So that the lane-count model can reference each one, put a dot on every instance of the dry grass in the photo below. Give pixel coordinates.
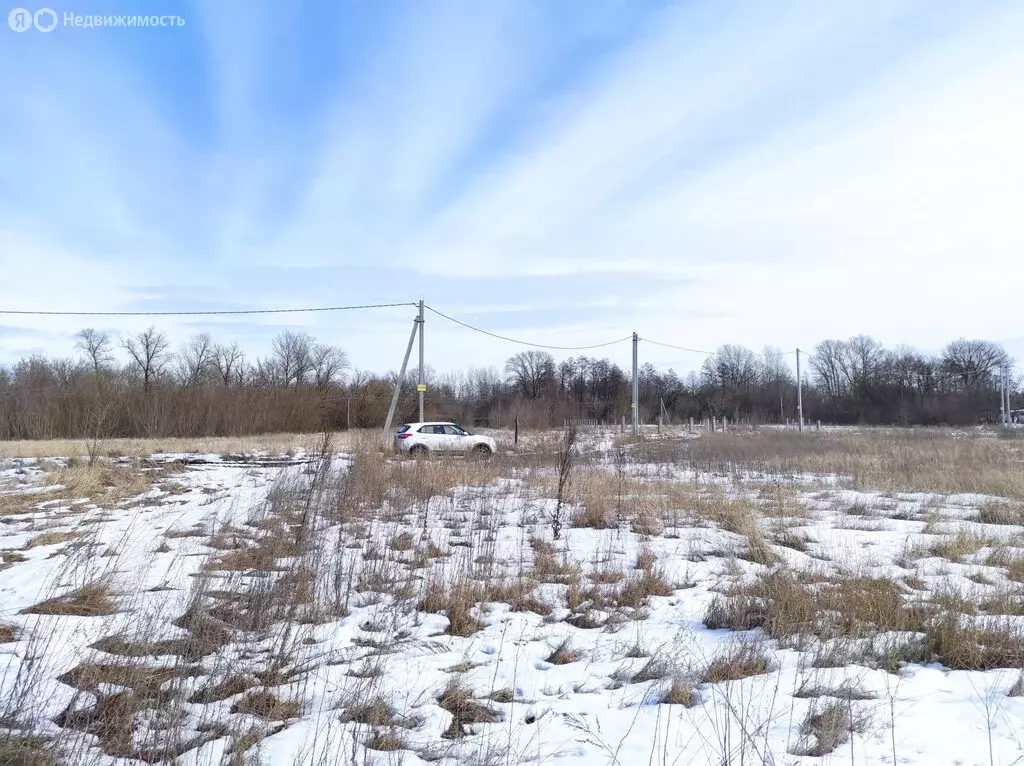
(372, 711)
(744, 660)
(217, 445)
(21, 750)
(1002, 512)
(10, 558)
(827, 726)
(564, 654)
(894, 460)
(228, 687)
(680, 692)
(91, 600)
(265, 705)
(105, 482)
(637, 588)
(458, 700)
(789, 610)
(51, 538)
(956, 547)
(985, 644)
(456, 601)
(19, 503)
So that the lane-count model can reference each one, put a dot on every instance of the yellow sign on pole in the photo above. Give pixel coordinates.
(421, 388)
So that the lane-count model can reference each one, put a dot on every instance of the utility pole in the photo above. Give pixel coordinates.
(421, 386)
(1004, 395)
(799, 392)
(348, 413)
(636, 388)
(398, 384)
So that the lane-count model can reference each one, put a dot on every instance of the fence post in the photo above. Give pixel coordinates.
(516, 437)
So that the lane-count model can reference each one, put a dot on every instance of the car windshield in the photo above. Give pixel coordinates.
(460, 430)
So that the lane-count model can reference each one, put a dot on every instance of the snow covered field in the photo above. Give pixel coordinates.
(741, 598)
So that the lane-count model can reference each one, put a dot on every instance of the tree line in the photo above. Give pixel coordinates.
(138, 385)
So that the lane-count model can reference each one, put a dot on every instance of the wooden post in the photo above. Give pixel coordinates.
(516, 437)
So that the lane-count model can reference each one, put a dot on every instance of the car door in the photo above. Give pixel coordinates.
(433, 437)
(458, 438)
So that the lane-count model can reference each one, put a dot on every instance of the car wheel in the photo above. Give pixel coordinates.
(481, 451)
(418, 451)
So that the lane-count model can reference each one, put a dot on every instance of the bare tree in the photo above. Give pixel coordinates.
(827, 363)
(196, 360)
(293, 356)
(149, 354)
(97, 347)
(973, 363)
(228, 361)
(328, 363)
(732, 368)
(532, 372)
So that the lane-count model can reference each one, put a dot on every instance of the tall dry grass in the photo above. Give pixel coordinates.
(896, 460)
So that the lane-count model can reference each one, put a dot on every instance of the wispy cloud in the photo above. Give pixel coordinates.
(766, 173)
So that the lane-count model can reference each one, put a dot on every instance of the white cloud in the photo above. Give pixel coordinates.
(890, 206)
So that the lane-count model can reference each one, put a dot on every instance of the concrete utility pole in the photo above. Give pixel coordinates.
(636, 388)
(799, 392)
(398, 384)
(1004, 396)
(421, 386)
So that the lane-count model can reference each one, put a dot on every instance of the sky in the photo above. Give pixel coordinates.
(566, 173)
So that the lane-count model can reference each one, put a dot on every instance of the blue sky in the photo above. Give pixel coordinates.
(567, 172)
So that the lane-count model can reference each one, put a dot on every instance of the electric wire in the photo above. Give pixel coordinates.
(523, 342)
(221, 312)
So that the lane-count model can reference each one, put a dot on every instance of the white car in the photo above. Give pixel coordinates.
(421, 439)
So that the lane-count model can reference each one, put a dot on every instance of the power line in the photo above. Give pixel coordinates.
(527, 343)
(224, 312)
(710, 353)
(677, 348)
